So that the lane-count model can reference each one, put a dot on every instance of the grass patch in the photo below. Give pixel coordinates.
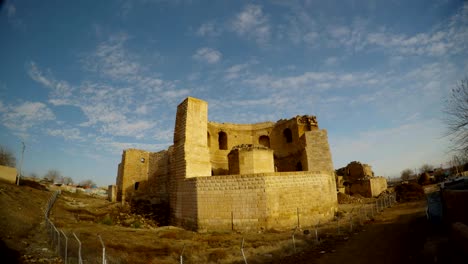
(217, 255)
(107, 220)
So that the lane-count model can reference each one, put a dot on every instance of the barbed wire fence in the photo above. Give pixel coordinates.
(71, 248)
(68, 247)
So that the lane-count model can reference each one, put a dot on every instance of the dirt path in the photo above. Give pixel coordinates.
(396, 236)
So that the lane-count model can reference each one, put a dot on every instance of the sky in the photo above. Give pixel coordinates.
(80, 81)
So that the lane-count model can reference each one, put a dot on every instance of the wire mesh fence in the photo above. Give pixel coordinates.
(75, 247)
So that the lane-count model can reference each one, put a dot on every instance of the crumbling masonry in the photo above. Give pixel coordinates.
(242, 177)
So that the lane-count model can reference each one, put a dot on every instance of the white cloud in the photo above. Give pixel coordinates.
(330, 61)
(252, 23)
(209, 29)
(443, 39)
(68, 134)
(112, 60)
(234, 71)
(26, 115)
(207, 55)
(60, 90)
(311, 80)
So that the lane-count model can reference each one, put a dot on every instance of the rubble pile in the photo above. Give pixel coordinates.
(348, 199)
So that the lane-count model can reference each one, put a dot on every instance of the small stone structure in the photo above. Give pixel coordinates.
(8, 174)
(242, 177)
(358, 178)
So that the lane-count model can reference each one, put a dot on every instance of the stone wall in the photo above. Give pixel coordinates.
(8, 174)
(133, 171)
(371, 187)
(190, 156)
(317, 154)
(259, 201)
(249, 159)
(191, 176)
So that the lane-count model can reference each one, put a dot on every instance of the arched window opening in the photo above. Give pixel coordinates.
(299, 166)
(137, 184)
(287, 135)
(208, 140)
(222, 140)
(264, 141)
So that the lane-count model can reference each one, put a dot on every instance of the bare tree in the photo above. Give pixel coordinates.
(67, 180)
(406, 174)
(6, 157)
(457, 163)
(426, 168)
(456, 112)
(54, 175)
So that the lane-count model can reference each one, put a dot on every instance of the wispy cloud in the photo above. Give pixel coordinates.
(252, 23)
(26, 115)
(67, 134)
(13, 18)
(209, 29)
(312, 80)
(207, 55)
(111, 59)
(235, 71)
(119, 98)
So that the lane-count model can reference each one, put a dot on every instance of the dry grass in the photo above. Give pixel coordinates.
(165, 244)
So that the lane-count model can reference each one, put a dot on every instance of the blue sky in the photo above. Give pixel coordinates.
(82, 80)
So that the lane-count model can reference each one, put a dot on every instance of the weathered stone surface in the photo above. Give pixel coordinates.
(222, 176)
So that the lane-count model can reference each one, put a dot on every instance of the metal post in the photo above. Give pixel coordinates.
(181, 255)
(242, 251)
(103, 251)
(294, 241)
(58, 236)
(66, 247)
(316, 232)
(80, 261)
(21, 163)
(298, 223)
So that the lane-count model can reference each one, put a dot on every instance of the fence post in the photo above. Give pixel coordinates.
(298, 222)
(58, 236)
(66, 246)
(103, 250)
(80, 261)
(242, 251)
(294, 241)
(181, 255)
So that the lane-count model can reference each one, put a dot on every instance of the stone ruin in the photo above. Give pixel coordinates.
(234, 177)
(358, 178)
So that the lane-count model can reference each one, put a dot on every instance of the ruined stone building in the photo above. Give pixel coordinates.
(358, 178)
(223, 176)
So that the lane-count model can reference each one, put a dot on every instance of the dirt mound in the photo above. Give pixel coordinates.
(33, 184)
(409, 192)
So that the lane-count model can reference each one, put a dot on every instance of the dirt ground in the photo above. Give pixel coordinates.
(399, 234)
